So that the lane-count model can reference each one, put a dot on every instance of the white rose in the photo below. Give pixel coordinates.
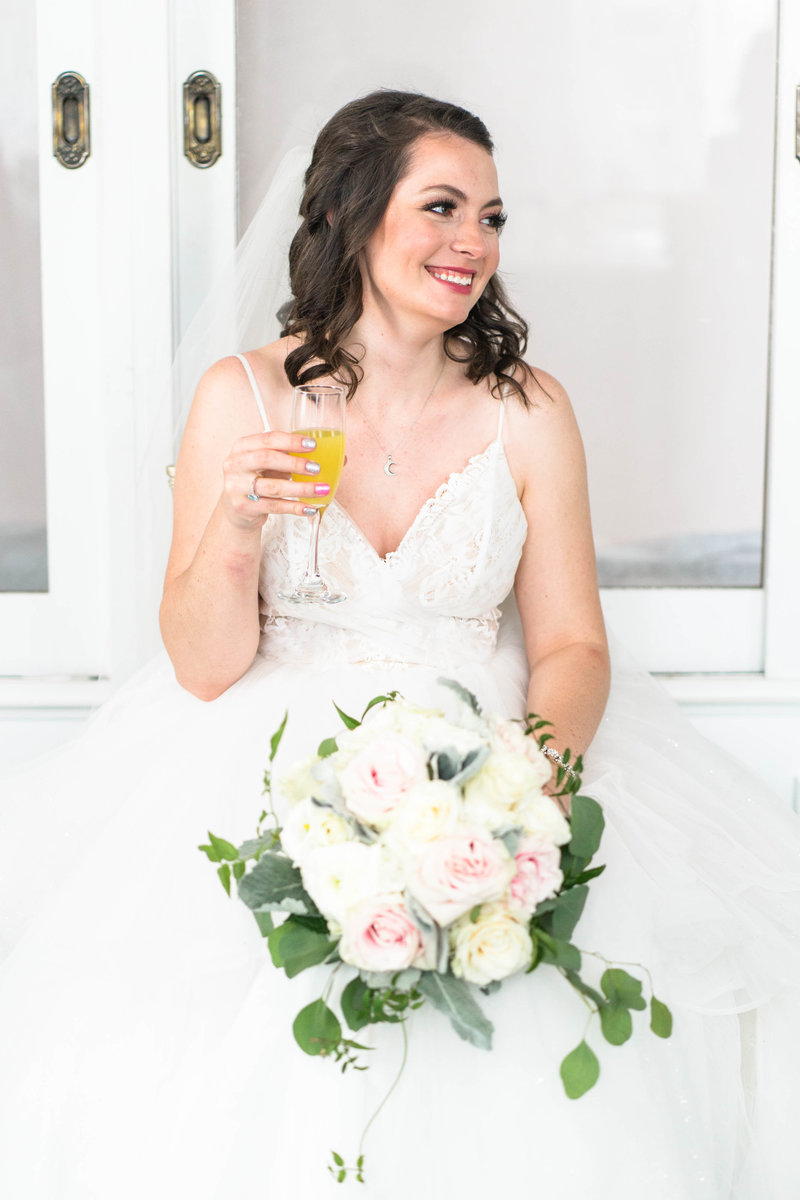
(439, 734)
(309, 826)
(298, 783)
(430, 810)
(504, 783)
(508, 735)
(380, 775)
(340, 876)
(493, 947)
(543, 815)
(401, 717)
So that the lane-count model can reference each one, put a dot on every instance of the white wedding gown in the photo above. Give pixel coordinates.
(146, 1038)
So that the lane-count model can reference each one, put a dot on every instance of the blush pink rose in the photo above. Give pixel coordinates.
(470, 867)
(538, 874)
(379, 935)
(378, 777)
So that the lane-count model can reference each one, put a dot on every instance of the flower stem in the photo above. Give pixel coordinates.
(391, 1089)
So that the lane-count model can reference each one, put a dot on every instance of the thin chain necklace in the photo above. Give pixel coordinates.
(390, 466)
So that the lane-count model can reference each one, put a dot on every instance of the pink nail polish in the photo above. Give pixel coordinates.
(321, 489)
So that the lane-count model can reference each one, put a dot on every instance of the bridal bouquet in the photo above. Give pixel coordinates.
(422, 851)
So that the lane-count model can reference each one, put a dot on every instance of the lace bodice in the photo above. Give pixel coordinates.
(434, 600)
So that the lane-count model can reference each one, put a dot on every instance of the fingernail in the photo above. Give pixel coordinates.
(309, 444)
(312, 468)
(321, 489)
(310, 509)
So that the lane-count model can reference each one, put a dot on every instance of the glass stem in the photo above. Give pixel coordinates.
(312, 569)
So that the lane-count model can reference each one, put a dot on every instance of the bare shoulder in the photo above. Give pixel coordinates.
(543, 439)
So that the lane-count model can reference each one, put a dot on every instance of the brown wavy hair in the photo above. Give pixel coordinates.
(359, 158)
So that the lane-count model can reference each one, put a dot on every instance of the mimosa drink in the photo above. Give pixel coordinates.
(330, 456)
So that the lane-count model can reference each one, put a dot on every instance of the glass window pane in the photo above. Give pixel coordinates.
(635, 151)
(23, 522)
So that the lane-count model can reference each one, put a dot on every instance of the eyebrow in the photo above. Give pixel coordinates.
(459, 195)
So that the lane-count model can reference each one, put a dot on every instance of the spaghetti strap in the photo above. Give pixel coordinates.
(254, 386)
(499, 434)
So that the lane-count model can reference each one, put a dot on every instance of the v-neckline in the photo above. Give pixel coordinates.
(442, 490)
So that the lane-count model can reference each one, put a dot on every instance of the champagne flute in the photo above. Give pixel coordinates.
(318, 412)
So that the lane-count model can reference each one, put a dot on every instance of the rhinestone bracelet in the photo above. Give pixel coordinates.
(550, 753)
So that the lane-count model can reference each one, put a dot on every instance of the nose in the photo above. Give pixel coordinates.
(470, 238)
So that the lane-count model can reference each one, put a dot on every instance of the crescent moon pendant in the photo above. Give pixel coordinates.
(389, 465)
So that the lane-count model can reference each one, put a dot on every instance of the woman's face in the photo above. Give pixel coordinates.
(436, 247)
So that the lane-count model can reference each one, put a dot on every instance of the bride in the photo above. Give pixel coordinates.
(146, 1038)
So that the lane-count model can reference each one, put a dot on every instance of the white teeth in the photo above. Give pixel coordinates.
(452, 277)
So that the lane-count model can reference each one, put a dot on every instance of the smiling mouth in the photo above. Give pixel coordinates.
(459, 279)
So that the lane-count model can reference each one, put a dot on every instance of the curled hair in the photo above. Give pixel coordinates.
(359, 158)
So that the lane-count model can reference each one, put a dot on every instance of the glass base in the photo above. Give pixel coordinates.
(304, 594)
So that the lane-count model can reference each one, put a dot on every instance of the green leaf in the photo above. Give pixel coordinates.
(387, 699)
(584, 988)
(350, 722)
(210, 853)
(463, 693)
(453, 997)
(327, 748)
(224, 849)
(316, 1028)
(660, 1019)
(275, 740)
(239, 869)
(586, 823)
(561, 954)
(337, 1158)
(622, 989)
(562, 914)
(275, 884)
(299, 947)
(580, 1071)
(355, 1004)
(585, 876)
(264, 922)
(274, 938)
(224, 873)
(474, 913)
(616, 1024)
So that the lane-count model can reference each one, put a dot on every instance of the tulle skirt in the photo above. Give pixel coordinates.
(146, 1038)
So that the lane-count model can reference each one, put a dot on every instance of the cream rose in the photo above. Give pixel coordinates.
(379, 935)
(458, 872)
(538, 874)
(309, 826)
(380, 775)
(340, 876)
(504, 783)
(542, 814)
(430, 810)
(508, 735)
(493, 947)
(298, 783)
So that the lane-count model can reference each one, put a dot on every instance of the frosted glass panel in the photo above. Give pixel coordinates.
(23, 531)
(635, 151)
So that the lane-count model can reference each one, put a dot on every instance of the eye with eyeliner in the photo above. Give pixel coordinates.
(494, 220)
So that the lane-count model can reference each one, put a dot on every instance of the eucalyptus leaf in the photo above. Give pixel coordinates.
(660, 1018)
(510, 837)
(403, 981)
(616, 1023)
(584, 988)
(264, 922)
(586, 823)
(580, 1071)
(354, 1002)
(275, 884)
(275, 740)
(317, 1029)
(622, 989)
(560, 954)
(255, 847)
(453, 997)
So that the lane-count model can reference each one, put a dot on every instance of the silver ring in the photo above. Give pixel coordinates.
(252, 494)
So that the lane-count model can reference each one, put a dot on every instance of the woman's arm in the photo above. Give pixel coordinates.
(209, 612)
(556, 584)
